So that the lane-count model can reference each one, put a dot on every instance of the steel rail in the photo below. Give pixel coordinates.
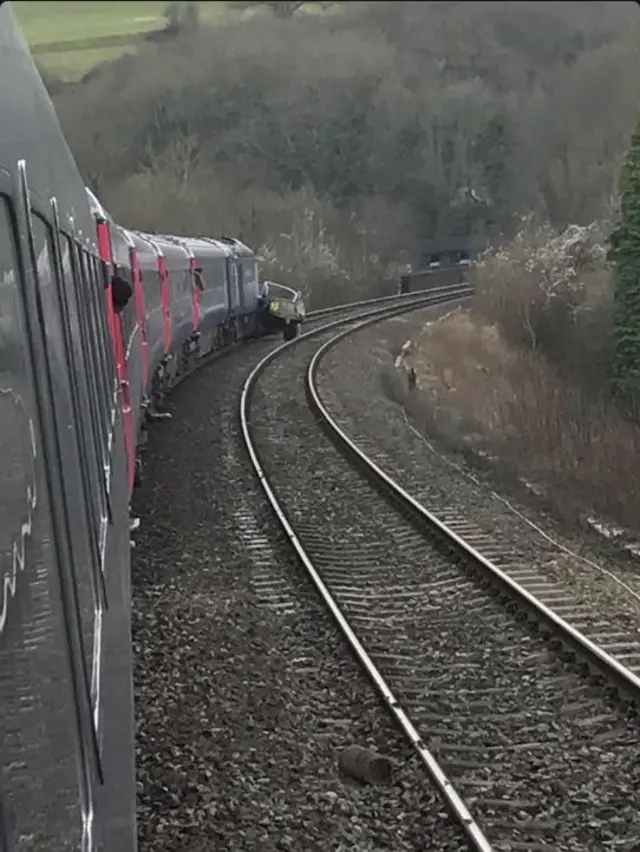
(625, 680)
(401, 298)
(474, 834)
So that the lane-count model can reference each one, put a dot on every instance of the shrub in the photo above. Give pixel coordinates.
(552, 293)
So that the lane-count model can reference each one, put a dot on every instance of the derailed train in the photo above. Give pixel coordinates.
(76, 378)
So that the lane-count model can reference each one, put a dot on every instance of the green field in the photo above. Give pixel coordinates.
(69, 37)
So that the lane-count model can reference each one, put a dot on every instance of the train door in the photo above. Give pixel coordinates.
(241, 302)
(138, 294)
(166, 301)
(104, 248)
(232, 284)
(195, 294)
(98, 380)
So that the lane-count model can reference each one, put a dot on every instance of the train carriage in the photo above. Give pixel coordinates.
(178, 269)
(174, 274)
(67, 776)
(75, 380)
(242, 270)
(216, 296)
(156, 302)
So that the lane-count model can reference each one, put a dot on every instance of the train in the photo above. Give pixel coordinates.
(82, 369)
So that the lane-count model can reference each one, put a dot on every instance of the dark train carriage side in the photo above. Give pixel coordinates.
(155, 300)
(67, 777)
(215, 297)
(175, 265)
(242, 273)
(169, 270)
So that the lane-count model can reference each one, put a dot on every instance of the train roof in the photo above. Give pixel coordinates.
(204, 246)
(164, 246)
(201, 246)
(143, 246)
(31, 133)
(227, 245)
(238, 247)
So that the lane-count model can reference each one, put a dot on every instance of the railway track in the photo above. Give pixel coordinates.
(244, 698)
(532, 748)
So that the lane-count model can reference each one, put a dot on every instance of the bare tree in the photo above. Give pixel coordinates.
(280, 8)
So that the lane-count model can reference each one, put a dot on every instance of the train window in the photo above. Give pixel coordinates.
(93, 300)
(240, 283)
(100, 272)
(94, 423)
(184, 275)
(93, 296)
(150, 276)
(83, 300)
(127, 315)
(97, 282)
(78, 363)
(250, 271)
(68, 418)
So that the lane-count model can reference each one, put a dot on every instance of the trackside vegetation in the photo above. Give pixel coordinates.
(625, 252)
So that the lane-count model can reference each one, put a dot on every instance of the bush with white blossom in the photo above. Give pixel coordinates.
(544, 283)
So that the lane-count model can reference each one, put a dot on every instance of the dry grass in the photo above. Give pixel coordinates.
(491, 386)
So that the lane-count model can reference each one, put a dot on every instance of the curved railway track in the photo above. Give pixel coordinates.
(532, 748)
(243, 696)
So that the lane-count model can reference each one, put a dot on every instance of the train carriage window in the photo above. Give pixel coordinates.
(150, 276)
(240, 279)
(128, 313)
(99, 273)
(89, 303)
(97, 422)
(94, 297)
(79, 367)
(185, 274)
(86, 578)
(92, 286)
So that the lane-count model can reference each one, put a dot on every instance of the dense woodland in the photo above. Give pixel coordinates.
(356, 134)
(340, 142)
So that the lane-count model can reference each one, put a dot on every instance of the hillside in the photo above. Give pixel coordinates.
(70, 37)
(362, 134)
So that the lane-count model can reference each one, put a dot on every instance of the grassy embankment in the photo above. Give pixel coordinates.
(70, 37)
